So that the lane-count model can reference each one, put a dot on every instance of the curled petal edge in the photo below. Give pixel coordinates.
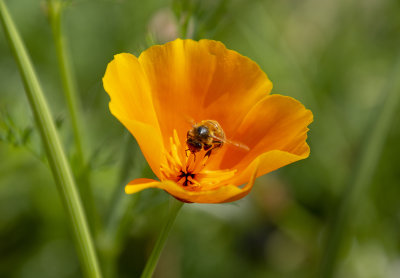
(223, 194)
(268, 162)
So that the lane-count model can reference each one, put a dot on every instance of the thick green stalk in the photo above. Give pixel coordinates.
(174, 207)
(82, 173)
(363, 175)
(56, 157)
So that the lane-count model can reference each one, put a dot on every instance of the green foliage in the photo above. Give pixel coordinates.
(13, 134)
(335, 56)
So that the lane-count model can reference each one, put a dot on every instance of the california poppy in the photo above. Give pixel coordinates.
(172, 88)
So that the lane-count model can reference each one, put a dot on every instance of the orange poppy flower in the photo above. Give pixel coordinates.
(173, 88)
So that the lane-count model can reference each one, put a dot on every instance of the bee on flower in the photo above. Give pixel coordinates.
(239, 131)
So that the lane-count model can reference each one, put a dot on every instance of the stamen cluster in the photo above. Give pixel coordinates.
(188, 169)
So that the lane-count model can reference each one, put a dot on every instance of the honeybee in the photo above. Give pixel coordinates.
(207, 135)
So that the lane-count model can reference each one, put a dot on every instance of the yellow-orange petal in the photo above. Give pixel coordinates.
(223, 194)
(277, 127)
(129, 90)
(199, 80)
(149, 141)
(137, 185)
(131, 103)
(265, 163)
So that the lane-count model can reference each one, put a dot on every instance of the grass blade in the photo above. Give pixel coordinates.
(55, 154)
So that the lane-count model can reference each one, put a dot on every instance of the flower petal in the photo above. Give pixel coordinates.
(265, 163)
(150, 142)
(140, 184)
(129, 90)
(179, 72)
(237, 84)
(223, 194)
(201, 80)
(131, 103)
(275, 130)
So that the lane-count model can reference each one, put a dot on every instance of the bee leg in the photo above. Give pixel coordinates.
(207, 147)
(208, 153)
(194, 154)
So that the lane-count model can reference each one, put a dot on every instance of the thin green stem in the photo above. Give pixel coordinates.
(67, 77)
(68, 80)
(55, 154)
(184, 25)
(174, 207)
(120, 216)
(363, 175)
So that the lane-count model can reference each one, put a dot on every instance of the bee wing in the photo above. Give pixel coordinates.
(189, 120)
(239, 145)
(236, 144)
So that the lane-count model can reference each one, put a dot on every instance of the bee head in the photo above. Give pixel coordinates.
(202, 131)
(193, 145)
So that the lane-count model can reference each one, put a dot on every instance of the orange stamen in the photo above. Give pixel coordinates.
(188, 171)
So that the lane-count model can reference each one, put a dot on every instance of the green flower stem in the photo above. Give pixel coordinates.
(174, 207)
(67, 77)
(82, 174)
(363, 174)
(56, 157)
(115, 234)
(184, 26)
(120, 217)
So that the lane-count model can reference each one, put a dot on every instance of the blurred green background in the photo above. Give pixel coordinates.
(336, 57)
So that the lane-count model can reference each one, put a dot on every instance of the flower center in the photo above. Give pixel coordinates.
(187, 169)
(186, 178)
